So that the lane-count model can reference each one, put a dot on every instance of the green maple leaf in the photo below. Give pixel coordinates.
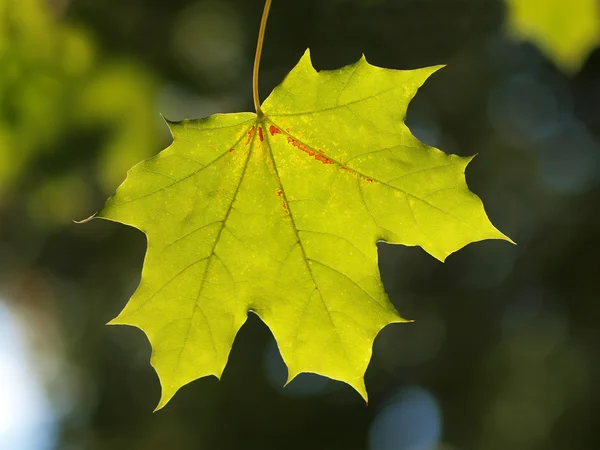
(280, 213)
(566, 31)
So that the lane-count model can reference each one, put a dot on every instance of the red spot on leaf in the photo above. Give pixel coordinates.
(285, 208)
(231, 150)
(250, 134)
(279, 193)
(260, 134)
(323, 159)
(368, 180)
(274, 130)
(317, 155)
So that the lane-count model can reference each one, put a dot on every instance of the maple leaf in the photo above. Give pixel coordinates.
(566, 31)
(279, 214)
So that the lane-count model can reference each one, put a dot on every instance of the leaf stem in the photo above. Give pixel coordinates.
(259, 46)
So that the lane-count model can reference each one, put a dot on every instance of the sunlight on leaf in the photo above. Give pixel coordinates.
(280, 215)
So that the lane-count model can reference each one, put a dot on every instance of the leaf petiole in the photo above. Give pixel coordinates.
(259, 46)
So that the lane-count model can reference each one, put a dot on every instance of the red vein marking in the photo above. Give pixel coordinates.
(317, 155)
(260, 134)
(274, 130)
(231, 150)
(370, 180)
(250, 134)
(286, 211)
(323, 159)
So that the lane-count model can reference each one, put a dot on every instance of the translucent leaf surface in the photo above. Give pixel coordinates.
(280, 215)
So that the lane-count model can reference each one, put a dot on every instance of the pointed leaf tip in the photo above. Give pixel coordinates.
(306, 60)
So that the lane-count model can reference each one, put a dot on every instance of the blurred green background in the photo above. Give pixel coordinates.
(503, 353)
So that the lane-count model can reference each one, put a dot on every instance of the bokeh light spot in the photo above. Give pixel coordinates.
(412, 421)
(27, 421)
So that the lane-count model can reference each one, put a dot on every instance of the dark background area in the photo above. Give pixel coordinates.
(503, 353)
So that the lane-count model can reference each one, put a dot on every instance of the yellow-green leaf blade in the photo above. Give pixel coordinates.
(413, 194)
(280, 215)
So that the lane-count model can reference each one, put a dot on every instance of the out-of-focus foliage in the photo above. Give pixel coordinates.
(565, 30)
(55, 86)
